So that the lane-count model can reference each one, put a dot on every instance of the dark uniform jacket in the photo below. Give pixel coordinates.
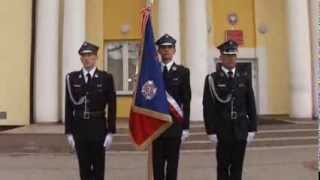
(178, 86)
(217, 115)
(100, 93)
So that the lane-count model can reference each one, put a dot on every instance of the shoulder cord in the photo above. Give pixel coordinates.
(81, 100)
(215, 94)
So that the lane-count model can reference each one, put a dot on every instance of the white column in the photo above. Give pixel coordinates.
(299, 59)
(73, 33)
(73, 37)
(169, 23)
(314, 14)
(46, 62)
(196, 52)
(262, 91)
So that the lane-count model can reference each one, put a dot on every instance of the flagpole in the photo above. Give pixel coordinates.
(150, 163)
(150, 154)
(149, 174)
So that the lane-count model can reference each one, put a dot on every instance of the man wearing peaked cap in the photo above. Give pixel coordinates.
(229, 113)
(177, 83)
(229, 47)
(166, 40)
(88, 130)
(88, 48)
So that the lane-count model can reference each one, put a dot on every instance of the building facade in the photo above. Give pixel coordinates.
(279, 49)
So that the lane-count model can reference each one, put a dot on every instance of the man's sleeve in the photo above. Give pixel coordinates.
(68, 110)
(208, 109)
(251, 108)
(186, 90)
(111, 94)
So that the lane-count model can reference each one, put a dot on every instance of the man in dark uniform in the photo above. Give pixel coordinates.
(229, 113)
(177, 82)
(89, 92)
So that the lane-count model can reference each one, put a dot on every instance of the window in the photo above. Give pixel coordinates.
(121, 60)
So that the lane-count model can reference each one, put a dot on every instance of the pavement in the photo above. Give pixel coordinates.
(39, 152)
(261, 164)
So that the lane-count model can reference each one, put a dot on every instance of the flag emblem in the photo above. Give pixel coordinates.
(149, 90)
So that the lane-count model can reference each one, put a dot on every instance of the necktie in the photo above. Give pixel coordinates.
(165, 74)
(231, 82)
(88, 78)
(230, 74)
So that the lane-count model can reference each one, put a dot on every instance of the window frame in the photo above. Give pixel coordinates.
(125, 64)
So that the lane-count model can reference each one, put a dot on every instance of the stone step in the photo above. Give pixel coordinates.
(56, 143)
(260, 135)
(200, 127)
(273, 135)
(207, 145)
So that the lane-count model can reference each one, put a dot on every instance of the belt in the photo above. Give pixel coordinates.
(236, 115)
(89, 115)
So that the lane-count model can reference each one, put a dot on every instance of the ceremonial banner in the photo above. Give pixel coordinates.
(149, 115)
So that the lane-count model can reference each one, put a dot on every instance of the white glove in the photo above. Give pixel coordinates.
(71, 141)
(250, 137)
(108, 142)
(213, 138)
(185, 135)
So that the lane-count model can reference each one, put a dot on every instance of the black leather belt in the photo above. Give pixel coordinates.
(89, 115)
(236, 115)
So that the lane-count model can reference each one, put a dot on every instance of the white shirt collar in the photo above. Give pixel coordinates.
(85, 72)
(225, 70)
(168, 65)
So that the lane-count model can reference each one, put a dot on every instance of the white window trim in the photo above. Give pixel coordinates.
(125, 53)
(125, 63)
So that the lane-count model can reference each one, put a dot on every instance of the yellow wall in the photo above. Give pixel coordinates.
(124, 104)
(272, 13)
(94, 26)
(245, 11)
(15, 18)
(125, 12)
(118, 13)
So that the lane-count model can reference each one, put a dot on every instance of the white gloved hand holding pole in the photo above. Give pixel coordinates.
(185, 135)
(108, 142)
